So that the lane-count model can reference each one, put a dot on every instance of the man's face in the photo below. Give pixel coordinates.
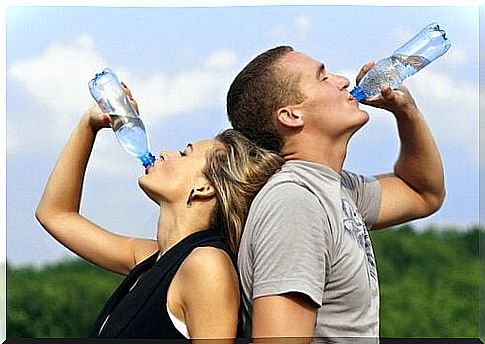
(328, 107)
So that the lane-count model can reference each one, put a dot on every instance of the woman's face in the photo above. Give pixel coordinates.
(176, 173)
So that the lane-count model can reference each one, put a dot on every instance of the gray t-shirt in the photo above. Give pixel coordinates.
(306, 232)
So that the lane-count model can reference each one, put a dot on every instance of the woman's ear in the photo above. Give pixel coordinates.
(288, 117)
(203, 189)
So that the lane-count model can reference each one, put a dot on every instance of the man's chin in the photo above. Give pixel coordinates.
(363, 120)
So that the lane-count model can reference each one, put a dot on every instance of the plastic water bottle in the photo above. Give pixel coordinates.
(128, 127)
(411, 57)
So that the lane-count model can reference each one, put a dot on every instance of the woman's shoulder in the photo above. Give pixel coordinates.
(210, 269)
(207, 262)
(207, 283)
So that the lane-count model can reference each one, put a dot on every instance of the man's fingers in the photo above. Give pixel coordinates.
(386, 93)
(365, 68)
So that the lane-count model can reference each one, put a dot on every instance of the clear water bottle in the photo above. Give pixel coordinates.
(406, 61)
(129, 129)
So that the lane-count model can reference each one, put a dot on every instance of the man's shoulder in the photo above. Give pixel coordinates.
(284, 196)
(282, 185)
(350, 179)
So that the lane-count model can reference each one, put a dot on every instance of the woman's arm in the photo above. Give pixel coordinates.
(58, 209)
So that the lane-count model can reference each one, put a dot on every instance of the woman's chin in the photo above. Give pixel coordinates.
(142, 183)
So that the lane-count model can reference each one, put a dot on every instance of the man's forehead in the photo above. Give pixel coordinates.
(297, 60)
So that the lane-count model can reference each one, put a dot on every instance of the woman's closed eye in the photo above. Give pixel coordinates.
(184, 152)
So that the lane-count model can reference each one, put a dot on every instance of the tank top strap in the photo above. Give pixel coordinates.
(124, 288)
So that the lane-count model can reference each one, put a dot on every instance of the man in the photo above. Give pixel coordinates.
(306, 261)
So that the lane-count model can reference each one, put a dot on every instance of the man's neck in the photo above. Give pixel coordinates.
(330, 154)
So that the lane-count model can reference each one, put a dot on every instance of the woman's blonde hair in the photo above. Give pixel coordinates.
(238, 169)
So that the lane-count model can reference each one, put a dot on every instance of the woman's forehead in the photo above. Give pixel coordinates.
(205, 145)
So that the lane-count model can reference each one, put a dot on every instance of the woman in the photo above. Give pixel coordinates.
(184, 284)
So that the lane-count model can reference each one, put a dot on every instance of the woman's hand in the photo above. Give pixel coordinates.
(98, 120)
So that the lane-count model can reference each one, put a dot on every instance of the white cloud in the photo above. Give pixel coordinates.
(303, 24)
(57, 80)
(297, 30)
(456, 55)
(181, 93)
(202, 87)
(221, 59)
(451, 107)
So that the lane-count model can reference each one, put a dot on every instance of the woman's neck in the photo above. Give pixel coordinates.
(176, 222)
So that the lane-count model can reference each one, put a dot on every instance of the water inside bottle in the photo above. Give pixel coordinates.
(391, 71)
(131, 134)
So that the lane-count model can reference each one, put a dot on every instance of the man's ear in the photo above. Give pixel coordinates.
(288, 117)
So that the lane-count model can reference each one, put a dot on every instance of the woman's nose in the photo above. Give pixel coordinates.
(163, 155)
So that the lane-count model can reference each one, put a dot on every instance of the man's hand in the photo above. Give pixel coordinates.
(416, 187)
(398, 101)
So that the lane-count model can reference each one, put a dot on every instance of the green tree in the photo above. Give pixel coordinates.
(61, 300)
(429, 283)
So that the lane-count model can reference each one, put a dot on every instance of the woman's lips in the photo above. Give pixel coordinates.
(147, 169)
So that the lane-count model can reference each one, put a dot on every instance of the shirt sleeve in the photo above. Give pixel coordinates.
(366, 193)
(290, 243)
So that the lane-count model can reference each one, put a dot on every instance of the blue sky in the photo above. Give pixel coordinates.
(179, 63)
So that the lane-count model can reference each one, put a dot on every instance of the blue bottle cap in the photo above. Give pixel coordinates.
(358, 94)
(147, 159)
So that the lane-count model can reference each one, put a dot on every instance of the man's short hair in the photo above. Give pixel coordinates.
(257, 92)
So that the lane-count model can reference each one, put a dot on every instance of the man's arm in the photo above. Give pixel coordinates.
(416, 187)
(287, 315)
(288, 230)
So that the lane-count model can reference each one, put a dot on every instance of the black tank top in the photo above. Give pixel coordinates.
(141, 312)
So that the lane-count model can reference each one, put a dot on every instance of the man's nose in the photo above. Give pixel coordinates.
(341, 81)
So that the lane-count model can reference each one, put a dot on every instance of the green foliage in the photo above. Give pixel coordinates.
(60, 300)
(429, 282)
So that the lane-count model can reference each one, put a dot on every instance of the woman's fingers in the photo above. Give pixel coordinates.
(97, 118)
(130, 97)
